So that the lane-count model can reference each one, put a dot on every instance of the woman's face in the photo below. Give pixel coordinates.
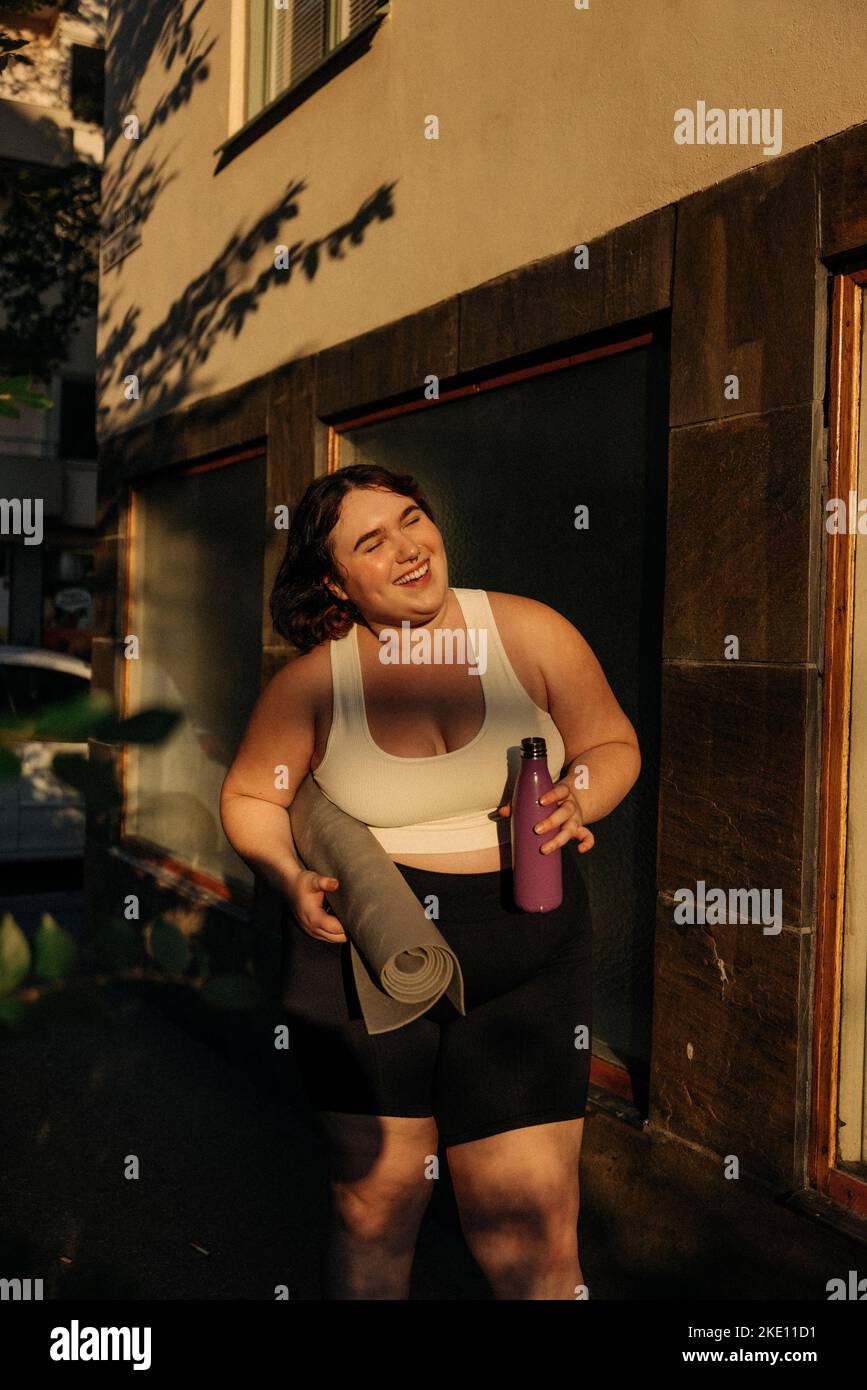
(380, 537)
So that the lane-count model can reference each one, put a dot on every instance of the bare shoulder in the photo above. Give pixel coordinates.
(305, 679)
(579, 697)
(282, 729)
(530, 631)
(294, 696)
(536, 633)
(527, 616)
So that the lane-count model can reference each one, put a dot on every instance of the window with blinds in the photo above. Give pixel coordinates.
(287, 39)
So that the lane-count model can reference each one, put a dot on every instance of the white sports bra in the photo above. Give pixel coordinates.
(458, 792)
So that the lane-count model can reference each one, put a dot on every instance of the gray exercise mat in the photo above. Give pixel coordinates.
(401, 962)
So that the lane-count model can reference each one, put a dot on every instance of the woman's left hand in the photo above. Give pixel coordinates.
(568, 815)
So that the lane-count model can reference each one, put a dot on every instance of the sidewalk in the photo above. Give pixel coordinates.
(660, 1221)
(231, 1198)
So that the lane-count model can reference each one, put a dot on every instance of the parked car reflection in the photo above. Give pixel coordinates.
(40, 816)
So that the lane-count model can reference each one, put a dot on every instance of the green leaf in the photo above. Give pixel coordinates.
(117, 944)
(169, 947)
(14, 954)
(10, 766)
(147, 726)
(47, 238)
(73, 720)
(6, 408)
(231, 991)
(56, 950)
(92, 715)
(70, 721)
(95, 781)
(19, 388)
(13, 1012)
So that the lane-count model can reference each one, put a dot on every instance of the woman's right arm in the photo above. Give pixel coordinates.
(272, 760)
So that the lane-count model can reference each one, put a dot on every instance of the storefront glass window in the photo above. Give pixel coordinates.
(196, 612)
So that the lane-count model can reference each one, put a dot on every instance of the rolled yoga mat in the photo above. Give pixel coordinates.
(402, 964)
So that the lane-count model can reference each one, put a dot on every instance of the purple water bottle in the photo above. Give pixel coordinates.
(538, 877)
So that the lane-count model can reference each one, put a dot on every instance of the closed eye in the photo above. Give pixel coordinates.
(412, 521)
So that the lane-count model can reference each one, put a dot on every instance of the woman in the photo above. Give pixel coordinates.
(423, 753)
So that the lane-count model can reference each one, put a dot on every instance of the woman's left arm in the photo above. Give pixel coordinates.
(600, 740)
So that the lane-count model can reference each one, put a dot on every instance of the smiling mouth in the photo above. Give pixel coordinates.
(414, 574)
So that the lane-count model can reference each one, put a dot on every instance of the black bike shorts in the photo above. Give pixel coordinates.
(519, 1056)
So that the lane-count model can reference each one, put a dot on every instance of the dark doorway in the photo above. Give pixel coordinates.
(505, 470)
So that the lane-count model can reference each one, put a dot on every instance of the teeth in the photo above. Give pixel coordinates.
(414, 574)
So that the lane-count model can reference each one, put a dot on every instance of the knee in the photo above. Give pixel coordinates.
(511, 1226)
(377, 1210)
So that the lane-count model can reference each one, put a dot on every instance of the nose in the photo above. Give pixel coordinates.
(406, 548)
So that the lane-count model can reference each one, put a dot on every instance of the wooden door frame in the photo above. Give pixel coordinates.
(843, 433)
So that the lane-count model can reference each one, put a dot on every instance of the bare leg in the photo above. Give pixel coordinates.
(518, 1196)
(378, 1167)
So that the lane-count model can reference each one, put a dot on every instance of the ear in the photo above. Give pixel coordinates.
(336, 590)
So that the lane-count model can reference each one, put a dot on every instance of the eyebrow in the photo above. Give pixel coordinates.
(368, 535)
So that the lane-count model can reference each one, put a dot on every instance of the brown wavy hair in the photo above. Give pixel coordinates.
(303, 610)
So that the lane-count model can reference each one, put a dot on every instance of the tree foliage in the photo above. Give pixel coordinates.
(49, 241)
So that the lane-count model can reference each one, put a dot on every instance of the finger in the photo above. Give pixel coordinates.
(326, 926)
(323, 884)
(585, 839)
(318, 917)
(558, 841)
(321, 936)
(571, 831)
(563, 813)
(558, 792)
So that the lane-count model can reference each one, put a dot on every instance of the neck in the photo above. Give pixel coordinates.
(438, 619)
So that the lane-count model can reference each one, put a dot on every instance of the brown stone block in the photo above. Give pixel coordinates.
(292, 428)
(104, 589)
(110, 502)
(550, 301)
(733, 803)
(748, 292)
(234, 419)
(103, 665)
(293, 434)
(389, 361)
(743, 547)
(843, 188)
(725, 1036)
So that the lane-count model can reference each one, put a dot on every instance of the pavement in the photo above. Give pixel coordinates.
(146, 1153)
(229, 1198)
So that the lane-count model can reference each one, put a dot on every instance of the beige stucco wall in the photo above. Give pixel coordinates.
(556, 124)
(36, 122)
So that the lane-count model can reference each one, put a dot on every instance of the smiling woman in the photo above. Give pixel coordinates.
(300, 610)
(353, 550)
(425, 758)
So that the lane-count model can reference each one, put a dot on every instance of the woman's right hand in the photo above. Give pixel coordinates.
(306, 897)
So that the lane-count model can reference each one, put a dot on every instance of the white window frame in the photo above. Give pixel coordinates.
(262, 82)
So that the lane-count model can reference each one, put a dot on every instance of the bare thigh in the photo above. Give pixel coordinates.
(518, 1174)
(384, 1157)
